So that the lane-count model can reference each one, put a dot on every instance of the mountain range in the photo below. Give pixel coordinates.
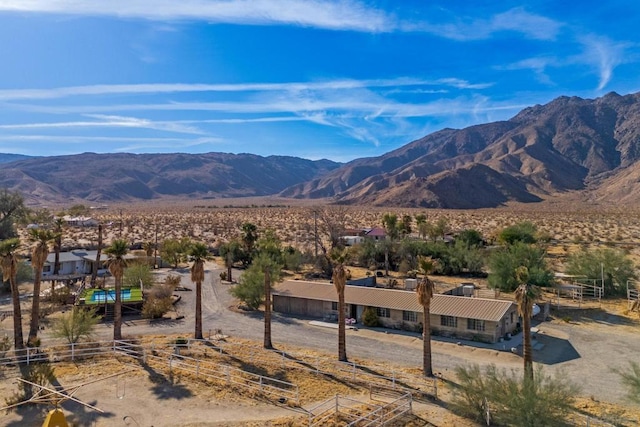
(569, 146)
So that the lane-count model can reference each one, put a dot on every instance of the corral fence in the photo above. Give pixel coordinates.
(202, 369)
(342, 410)
(346, 371)
(633, 296)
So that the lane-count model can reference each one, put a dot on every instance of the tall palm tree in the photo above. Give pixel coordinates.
(199, 253)
(42, 237)
(117, 264)
(96, 263)
(58, 224)
(525, 296)
(9, 264)
(424, 291)
(340, 282)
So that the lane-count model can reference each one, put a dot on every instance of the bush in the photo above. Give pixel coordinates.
(223, 276)
(135, 274)
(370, 317)
(75, 325)
(510, 399)
(158, 300)
(61, 296)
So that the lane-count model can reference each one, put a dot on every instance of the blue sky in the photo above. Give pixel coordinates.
(314, 79)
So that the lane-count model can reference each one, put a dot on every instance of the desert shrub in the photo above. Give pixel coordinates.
(370, 317)
(524, 232)
(223, 275)
(631, 380)
(25, 272)
(61, 296)
(510, 400)
(173, 281)
(292, 259)
(155, 307)
(158, 300)
(136, 274)
(75, 324)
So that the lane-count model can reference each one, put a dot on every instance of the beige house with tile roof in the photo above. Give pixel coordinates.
(456, 316)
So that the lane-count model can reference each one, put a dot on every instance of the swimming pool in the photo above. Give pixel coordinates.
(110, 295)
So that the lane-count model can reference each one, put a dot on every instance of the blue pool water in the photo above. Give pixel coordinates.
(110, 295)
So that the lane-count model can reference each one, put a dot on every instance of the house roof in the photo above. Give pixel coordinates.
(76, 255)
(377, 232)
(444, 305)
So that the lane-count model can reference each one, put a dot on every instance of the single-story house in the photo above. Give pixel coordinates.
(78, 261)
(457, 316)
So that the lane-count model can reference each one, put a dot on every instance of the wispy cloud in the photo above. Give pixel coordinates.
(603, 54)
(349, 15)
(140, 89)
(333, 15)
(516, 20)
(112, 122)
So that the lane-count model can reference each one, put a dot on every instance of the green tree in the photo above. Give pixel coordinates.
(249, 239)
(613, 265)
(339, 282)
(424, 291)
(11, 209)
(504, 262)
(39, 254)
(199, 255)
(137, 275)
(292, 258)
(631, 380)
(75, 324)
(117, 264)
(9, 264)
(441, 227)
(405, 225)
(390, 224)
(231, 252)
(174, 251)
(421, 222)
(250, 288)
(526, 295)
(78, 210)
(524, 232)
(470, 238)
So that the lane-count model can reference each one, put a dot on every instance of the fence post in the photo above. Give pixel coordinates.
(435, 386)
(170, 364)
(73, 351)
(260, 382)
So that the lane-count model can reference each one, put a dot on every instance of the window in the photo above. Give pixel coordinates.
(475, 325)
(46, 268)
(383, 312)
(409, 316)
(512, 317)
(449, 321)
(334, 306)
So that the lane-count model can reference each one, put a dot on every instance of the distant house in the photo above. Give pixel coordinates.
(376, 233)
(80, 221)
(457, 316)
(355, 236)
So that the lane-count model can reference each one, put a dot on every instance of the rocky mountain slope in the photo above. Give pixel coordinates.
(123, 177)
(7, 158)
(568, 145)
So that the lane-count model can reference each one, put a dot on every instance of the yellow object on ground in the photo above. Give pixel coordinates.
(55, 418)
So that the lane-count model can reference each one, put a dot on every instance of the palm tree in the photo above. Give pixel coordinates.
(425, 294)
(199, 254)
(117, 264)
(340, 282)
(9, 264)
(525, 295)
(42, 237)
(96, 264)
(57, 247)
